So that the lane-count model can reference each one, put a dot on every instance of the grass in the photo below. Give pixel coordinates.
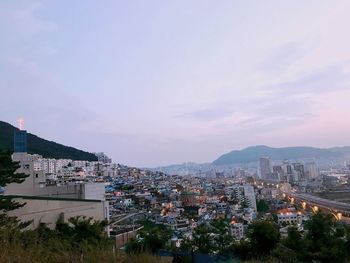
(58, 253)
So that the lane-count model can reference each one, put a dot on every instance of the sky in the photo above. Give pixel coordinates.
(152, 83)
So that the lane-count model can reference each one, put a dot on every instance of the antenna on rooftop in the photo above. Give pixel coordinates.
(20, 122)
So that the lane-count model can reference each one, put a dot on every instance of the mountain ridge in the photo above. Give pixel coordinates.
(253, 153)
(46, 148)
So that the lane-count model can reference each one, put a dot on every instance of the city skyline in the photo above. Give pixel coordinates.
(153, 84)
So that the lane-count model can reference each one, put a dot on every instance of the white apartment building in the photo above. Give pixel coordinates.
(80, 164)
(237, 231)
(50, 165)
(290, 217)
(242, 193)
(60, 163)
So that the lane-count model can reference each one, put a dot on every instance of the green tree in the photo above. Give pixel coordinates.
(134, 246)
(262, 206)
(154, 237)
(88, 230)
(320, 227)
(187, 245)
(284, 254)
(222, 238)
(9, 175)
(80, 240)
(325, 241)
(263, 236)
(294, 240)
(242, 249)
(202, 239)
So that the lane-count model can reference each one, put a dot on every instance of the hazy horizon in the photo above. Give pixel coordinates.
(153, 83)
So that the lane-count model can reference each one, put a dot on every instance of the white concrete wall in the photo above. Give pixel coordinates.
(94, 191)
(48, 211)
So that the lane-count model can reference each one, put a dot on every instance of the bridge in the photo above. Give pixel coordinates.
(341, 211)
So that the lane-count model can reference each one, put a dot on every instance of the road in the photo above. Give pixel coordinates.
(334, 207)
(330, 204)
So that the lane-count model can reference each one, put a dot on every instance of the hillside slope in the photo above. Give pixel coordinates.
(252, 154)
(47, 149)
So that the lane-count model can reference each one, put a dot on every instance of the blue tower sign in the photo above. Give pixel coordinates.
(20, 141)
(20, 138)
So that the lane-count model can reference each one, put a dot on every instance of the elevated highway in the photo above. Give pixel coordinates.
(340, 210)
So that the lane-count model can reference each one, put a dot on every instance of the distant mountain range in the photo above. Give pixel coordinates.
(37, 145)
(252, 154)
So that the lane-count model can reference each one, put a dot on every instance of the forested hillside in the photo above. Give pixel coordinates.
(41, 146)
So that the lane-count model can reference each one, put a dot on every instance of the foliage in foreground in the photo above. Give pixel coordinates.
(83, 240)
(79, 240)
(150, 239)
(9, 175)
(324, 240)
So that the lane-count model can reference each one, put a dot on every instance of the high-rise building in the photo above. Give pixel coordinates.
(298, 172)
(265, 167)
(242, 194)
(20, 141)
(278, 172)
(249, 196)
(288, 171)
(311, 170)
(103, 158)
